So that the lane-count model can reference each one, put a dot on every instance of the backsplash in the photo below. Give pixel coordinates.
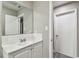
(15, 39)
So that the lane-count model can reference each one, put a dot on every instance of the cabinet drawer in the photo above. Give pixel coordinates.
(25, 54)
(21, 51)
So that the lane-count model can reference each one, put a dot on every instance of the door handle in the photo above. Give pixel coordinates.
(51, 40)
(57, 35)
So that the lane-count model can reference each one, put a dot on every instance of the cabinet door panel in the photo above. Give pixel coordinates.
(25, 54)
(37, 51)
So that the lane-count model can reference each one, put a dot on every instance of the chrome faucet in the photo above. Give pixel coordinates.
(22, 40)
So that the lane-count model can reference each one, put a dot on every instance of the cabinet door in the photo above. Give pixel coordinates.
(25, 54)
(37, 51)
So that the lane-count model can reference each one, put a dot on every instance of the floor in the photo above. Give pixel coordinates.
(59, 55)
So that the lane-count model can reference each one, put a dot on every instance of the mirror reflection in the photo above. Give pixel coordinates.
(17, 19)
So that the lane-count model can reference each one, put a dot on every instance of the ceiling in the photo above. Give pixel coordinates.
(14, 5)
(59, 3)
(11, 5)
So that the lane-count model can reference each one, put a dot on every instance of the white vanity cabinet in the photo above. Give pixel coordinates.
(32, 51)
(37, 51)
(24, 54)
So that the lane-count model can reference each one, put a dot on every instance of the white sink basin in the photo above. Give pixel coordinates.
(25, 43)
(12, 43)
(14, 47)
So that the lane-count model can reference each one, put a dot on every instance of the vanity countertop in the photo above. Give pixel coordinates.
(15, 47)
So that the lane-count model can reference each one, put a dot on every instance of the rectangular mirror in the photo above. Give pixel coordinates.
(17, 19)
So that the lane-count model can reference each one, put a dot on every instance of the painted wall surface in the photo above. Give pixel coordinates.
(41, 23)
(51, 31)
(1, 53)
(27, 19)
(65, 7)
(70, 6)
(28, 4)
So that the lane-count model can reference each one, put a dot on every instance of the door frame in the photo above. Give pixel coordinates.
(20, 15)
(51, 29)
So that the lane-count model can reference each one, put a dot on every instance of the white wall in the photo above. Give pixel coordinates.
(1, 53)
(41, 20)
(51, 24)
(27, 4)
(69, 6)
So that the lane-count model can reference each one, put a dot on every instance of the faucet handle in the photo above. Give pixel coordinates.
(21, 40)
(24, 39)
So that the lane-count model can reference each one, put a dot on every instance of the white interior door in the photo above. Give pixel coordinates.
(11, 25)
(65, 27)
